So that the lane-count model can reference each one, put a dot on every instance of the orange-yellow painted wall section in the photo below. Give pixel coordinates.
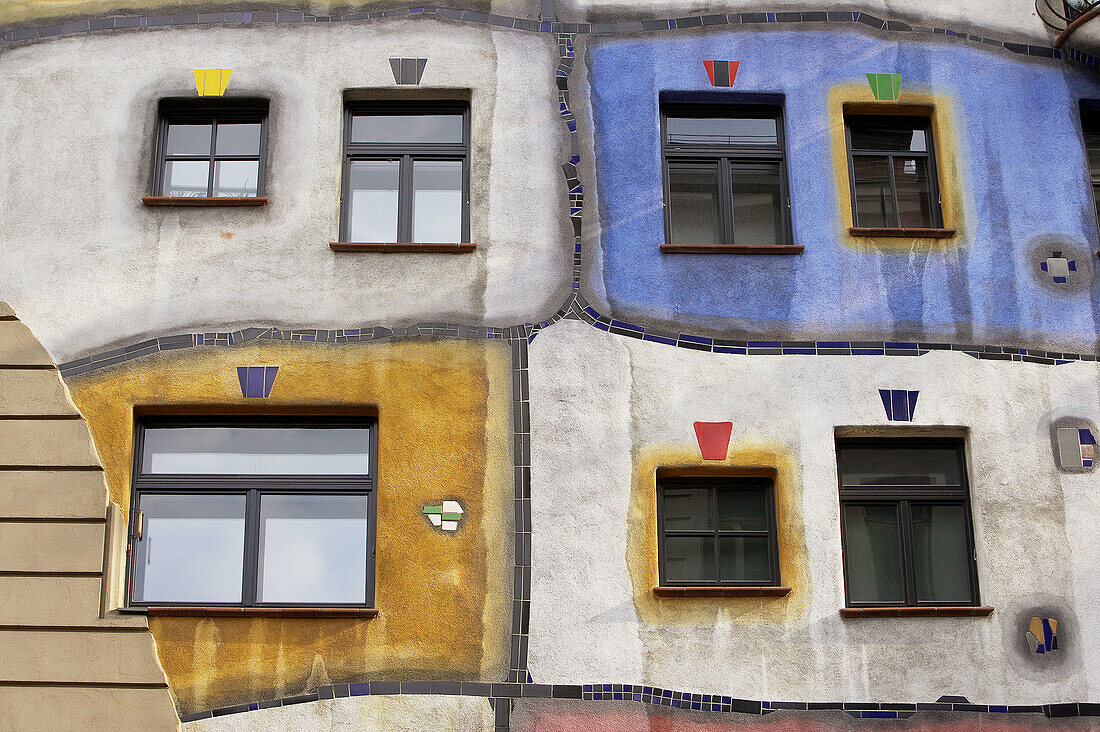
(939, 108)
(443, 417)
(641, 553)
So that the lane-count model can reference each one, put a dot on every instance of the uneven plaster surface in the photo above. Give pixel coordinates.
(362, 714)
(129, 270)
(627, 398)
(1012, 133)
(442, 424)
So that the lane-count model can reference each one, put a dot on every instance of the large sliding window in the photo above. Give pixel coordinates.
(725, 175)
(269, 512)
(905, 523)
(406, 173)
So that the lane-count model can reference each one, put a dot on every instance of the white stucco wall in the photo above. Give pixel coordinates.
(598, 399)
(409, 713)
(89, 267)
(1014, 19)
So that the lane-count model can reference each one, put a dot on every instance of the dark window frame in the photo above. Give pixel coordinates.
(903, 497)
(1090, 125)
(405, 154)
(230, 110)
(253, 486)
(723, 155)
(714, 483)
(901, 122)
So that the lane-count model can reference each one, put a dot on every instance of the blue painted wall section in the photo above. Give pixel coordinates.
(1021, 164)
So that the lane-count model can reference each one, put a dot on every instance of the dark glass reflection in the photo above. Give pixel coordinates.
(191, 550)
(744, 559)
(873, 196)
(888, 139)
(256, 451)
(426, 128)
(914, 191)
(742, 510)
(872, 548)
(940, 556)
(757, 204)
(689, 558)
(693, 200)
(721, 131)
(899, 466)
(687, 508)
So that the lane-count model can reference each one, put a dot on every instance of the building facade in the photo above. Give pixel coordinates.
(549, 365)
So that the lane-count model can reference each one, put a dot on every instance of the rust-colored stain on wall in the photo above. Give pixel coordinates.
(641, 538)
(443, 426)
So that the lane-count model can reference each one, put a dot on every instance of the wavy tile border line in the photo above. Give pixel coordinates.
(18, 33)
(648, 695)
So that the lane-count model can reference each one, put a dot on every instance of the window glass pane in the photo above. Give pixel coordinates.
(374, 190)
(313, 549)
(914, 192)
(446, 128)
(872, 137)
(236, 178)
(188, 178)
(235, 139)
(742, 509)
(191, 550)
(256, 450)
(872, 549)
(941, 559)
(689, 559)
(437, 201)
(188, 139)
(693, 203)
(687, 508)
(757, 204)
(874, 199)
(1092, 150)
(899, 466)
(744, 559)
(721, 131)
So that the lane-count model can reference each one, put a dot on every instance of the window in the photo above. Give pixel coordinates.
(268, 512)
(725, 176)
(406, 173)
(905, 523)
(211, 150)
(717, 531)
(1090, 122)
(892, 173)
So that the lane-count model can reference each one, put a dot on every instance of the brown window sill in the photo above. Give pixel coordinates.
(730, 249)
(903, 233)
(705, 591)
(262, 612)
(401, 248)
(209, 202)
(922, 611)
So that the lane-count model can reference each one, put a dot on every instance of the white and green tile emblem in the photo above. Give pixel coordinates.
(445, 516)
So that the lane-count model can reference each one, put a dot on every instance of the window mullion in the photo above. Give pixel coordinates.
(251, 548)
(893, 191)
(405, 200)
(725, 200)
(213, 141)
(905, 525)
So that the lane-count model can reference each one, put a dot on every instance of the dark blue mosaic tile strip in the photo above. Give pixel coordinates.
(503, 692)
(13, 34)
(590, 315)
(521, 466)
